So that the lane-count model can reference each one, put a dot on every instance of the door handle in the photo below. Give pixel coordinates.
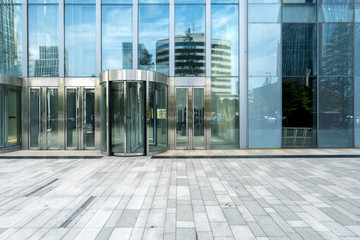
(12, 117)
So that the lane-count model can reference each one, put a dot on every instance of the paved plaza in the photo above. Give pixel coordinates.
(183, 199)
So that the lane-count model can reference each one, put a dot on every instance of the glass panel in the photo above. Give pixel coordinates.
(299, 1)
(10, 40)
(224, 42)
(299, 13)
(43, 1)
(264, 1)
(299, 49)
(116, 37)
(10, 1)
(264, 12)
(89, 118)
(224, 113)
(2, 117)
(198, 118)
(158, 117)
(117, 1)
(336, 49)
(103, 118)
(72, 108)
(80, 40)
(189, 1)
(357, 13)
(117, 114)
(153, 1)
(357, 86)
(264, 112)
(154, 38)
(264, 52)
(35, 108)
(135, 117)
(52, 118)
(80, 1)
(336, 111)
(43, 40)
(190, 40)
(336, 13)
(224, 1)
(182, 135)
(299, 112)
(13, 117)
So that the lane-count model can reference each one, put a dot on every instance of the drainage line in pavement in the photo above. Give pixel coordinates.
(77, 212)
(41, 188)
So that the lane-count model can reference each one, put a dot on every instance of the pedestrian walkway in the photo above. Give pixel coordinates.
(182, 199)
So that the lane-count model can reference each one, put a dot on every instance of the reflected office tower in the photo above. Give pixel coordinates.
(9, 60)
(48, 63)
(190, 58)
(127, 55)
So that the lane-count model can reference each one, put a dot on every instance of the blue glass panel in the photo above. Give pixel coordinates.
(10, 40)
(116, 37)
(224, 113)
(80, 1)
(224, 1)
(299, 1)
(43, 23)
(154, 38)
(335, 1)
(357, 12)
(10, 1)
(264, 49)
(264, 112)
(153, 1)
(299, 50)
(264, 12)
(264, 1)
(43, 1)
(117, 1)
(336, 112)
(189, 1)
(336, 49)
(224, 42)
(299, 13)
(80, 40)
(189, 40)
(336, 13)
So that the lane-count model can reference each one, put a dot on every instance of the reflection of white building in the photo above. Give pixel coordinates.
(190, 58)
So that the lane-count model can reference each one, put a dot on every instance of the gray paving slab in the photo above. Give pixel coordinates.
(143, 198)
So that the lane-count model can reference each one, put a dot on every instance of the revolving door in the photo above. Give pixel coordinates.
(133, 112)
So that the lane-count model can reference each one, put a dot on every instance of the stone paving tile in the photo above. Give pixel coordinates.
(174, 199)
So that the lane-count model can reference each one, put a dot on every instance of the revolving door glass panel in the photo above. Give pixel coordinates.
(128, 118)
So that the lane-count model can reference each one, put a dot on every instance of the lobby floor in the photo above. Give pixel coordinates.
(182, 199)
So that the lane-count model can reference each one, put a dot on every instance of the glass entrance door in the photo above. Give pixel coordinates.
(190, 119)
(128, 118)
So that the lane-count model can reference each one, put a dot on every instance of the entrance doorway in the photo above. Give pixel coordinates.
(190, 118)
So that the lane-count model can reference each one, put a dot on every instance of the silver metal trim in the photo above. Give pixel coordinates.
(208, 38)
(134, 75)
(81, 82)
(25, 116)
(24, 38)
(135, 34)
(97, 114)
(171, 114)
(61, 38)
(108, 124)
(207, 110)
(190, 81)
(125, 116)
(61, 115)
(172, 38)
(10, 80)
(243, 74)
(147, 120)
(98, 37)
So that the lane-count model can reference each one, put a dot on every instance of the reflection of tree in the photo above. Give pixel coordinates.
(145, 57)
(189, 65)
(298, 102)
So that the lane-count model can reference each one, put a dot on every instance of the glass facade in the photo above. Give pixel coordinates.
(287, 76)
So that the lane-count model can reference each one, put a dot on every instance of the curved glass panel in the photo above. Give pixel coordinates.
(10, 40)
(224, 113)
(224, 42)
(189, 40)
(103, 118)
(80, 40)
(158, 117)
(43, 40)
(116, 37)
(117, 117)
(154, 38)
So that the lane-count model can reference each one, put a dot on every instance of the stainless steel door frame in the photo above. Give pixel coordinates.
(190, 118)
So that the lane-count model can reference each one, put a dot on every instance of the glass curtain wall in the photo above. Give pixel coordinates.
(117, 37)
(357, 74)
(80, 31)
(154, 38)
(43, 27)
(264, 70)
(11, 38)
